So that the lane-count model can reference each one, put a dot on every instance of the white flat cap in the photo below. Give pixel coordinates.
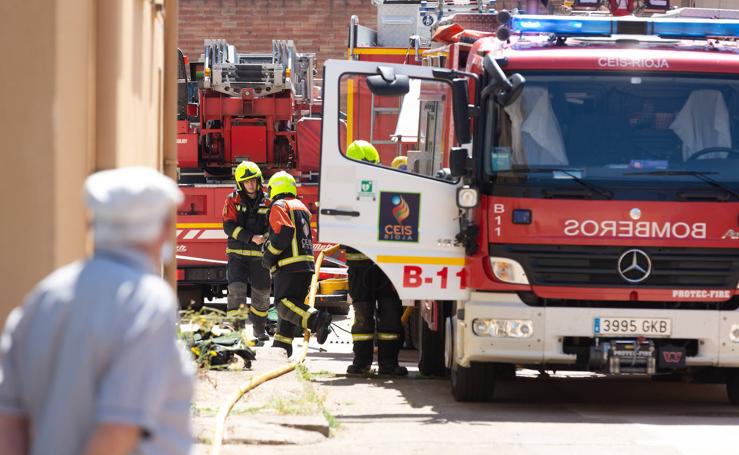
(129, 205)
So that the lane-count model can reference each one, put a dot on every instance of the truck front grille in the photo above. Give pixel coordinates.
(597, 266)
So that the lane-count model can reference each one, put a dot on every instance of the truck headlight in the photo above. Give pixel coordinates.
(508, 271)
(467, 198)
(503, 328)
(734, 333)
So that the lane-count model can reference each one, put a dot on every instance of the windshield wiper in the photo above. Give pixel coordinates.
(697, 174)
(539, 170)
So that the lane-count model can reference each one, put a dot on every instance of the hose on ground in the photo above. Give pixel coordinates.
(226, 408)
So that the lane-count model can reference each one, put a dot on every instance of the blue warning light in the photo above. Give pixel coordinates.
(597, 26)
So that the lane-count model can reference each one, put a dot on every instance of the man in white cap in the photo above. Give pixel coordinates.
(89, 364)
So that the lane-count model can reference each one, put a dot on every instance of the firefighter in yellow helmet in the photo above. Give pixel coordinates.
(377, 307)
(245, 223)
(400, 162)
(288, 253)
(363, 151)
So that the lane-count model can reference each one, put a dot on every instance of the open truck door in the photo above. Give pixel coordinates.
(402, 212)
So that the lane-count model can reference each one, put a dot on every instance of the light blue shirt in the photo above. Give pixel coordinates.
(95, 342)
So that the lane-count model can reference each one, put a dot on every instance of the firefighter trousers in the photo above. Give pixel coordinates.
(242, 271)
(291, 290)
(377, 307)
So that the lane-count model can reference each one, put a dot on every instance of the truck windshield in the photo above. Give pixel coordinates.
(623, 136)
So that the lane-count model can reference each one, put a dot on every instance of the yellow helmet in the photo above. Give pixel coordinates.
(400, 162)
(363, 151)
(282, 183)
(247, 170)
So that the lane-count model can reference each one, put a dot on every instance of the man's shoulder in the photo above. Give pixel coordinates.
(61, 280)
(159, 293)
(130, 283)
(233, 196)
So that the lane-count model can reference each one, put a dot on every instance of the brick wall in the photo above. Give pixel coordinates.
(320, 26)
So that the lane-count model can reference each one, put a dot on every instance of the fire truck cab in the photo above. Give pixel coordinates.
(571, 198)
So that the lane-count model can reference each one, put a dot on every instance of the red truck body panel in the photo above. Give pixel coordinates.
(610, 223)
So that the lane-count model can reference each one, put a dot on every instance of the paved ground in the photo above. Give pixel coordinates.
(531, 416)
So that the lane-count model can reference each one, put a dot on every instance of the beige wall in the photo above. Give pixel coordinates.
(82, 91)
(722, 4)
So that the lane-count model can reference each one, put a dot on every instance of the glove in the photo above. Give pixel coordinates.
(268, 259)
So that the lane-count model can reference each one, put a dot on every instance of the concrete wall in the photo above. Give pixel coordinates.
(82, 91)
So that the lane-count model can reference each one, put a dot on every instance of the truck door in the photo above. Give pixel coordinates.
(403, 216)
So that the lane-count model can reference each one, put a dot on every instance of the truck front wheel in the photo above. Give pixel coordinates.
(476, 383)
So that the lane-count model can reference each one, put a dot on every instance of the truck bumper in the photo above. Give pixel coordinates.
(711, 329)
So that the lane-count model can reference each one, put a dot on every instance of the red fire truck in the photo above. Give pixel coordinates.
(571, 199)
(234, 107)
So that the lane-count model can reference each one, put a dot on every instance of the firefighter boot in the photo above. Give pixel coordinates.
(258, 313)
(236, 300)
(363, 337)
(388, 348)
(362, 356)
(283, 337)
(355, 370)
(320, 325)
(259, 329)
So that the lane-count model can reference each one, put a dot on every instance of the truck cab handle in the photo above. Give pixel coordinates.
(334, 212)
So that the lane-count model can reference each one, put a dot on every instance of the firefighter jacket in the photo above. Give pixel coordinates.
(243, 218)
(289, 247)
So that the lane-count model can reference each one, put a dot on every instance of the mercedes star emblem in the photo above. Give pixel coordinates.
(635, 214)
(634, 266)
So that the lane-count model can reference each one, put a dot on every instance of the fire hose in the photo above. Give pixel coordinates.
(251, 384)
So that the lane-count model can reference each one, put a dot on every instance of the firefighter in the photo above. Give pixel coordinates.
(400, 162)
(245, 222)
(374, 299)
(288, 253)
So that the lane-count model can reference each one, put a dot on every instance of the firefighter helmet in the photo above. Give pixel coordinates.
(400, 162)
(247, 170)
(363, 151)
(282, 183)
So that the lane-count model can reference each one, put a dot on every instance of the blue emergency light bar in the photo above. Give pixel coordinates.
(604, 27)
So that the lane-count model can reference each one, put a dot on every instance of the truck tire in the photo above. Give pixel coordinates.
(411, 331)
(431, 346)
(476, 383)
(732, 386)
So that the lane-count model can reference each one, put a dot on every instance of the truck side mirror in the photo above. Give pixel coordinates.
(387, 83)
(458, 162)
(461, 110)
(506, 90)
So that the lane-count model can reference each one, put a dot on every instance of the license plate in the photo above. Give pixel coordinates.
(632, 327)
